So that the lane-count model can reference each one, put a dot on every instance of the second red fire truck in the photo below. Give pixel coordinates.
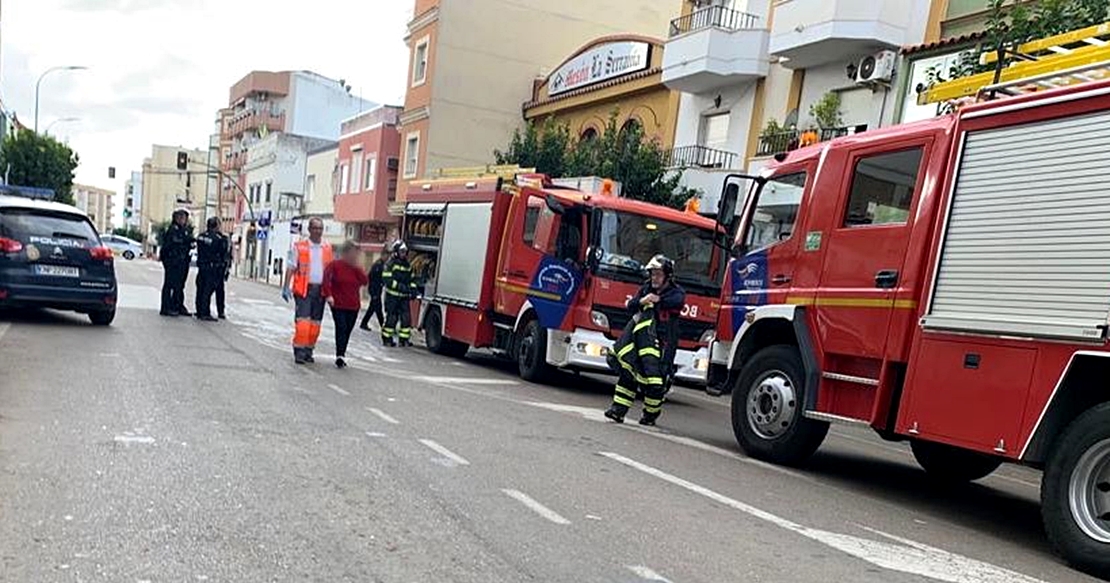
(944, 282)
(541, 273)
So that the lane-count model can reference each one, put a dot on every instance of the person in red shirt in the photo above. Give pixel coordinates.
(344, 279)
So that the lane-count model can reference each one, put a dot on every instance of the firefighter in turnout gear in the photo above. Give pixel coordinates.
(400, 288)
(640, 355)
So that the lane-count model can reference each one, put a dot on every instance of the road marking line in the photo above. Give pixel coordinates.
(467, 380)
(443, 451)
(383, 415)
(534, 506)
(4, 329)
(375, 434)
(339, 390)
(647, 573)
(143, 439)
(257, 302)
(908, 557)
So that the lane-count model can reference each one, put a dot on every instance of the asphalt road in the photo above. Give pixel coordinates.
(165, 449)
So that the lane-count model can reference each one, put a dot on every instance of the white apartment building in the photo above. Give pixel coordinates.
(743, 63)
(97, 203)
(133, 201)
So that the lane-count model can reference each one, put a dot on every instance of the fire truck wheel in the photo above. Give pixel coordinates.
(1075, 493)
(531, 353)
(767, 406)
(952, 464)
(433, 337)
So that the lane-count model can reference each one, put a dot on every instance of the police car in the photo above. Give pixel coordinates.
(52, 257)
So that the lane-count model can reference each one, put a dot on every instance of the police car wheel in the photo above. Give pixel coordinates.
(768, 402)
(102, 318)
(1075, 493)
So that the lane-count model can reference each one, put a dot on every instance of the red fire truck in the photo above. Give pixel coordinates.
(945, 282)
(541, 274)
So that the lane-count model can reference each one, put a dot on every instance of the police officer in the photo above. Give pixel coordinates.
(400, 287)
(212, 254)
(177, 240)
(644, 354)
(375, 289)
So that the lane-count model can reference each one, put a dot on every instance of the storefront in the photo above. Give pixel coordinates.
(622, 73)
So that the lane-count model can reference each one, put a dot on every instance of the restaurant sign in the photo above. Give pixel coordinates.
(600, 63)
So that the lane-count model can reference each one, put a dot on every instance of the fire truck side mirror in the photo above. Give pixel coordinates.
(726, 209)
(594, 255)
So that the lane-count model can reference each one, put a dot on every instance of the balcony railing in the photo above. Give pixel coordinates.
(789, 140)
(700, 157)
(713, 17)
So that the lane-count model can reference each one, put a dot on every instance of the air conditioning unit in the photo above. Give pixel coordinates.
(877, 67)
(392, 164)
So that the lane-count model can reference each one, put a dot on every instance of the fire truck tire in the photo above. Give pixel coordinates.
(952, 464)
(433, 337)
(1075, 493)
(531, 353)
(767, 408)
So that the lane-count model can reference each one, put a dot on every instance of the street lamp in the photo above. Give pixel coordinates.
(59, 120)
(38, 85)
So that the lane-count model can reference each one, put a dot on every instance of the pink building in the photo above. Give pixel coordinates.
(366, 177)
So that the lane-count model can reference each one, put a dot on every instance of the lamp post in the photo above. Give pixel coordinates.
(59, 120)
(38, 85)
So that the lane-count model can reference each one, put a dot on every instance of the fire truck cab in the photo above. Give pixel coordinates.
(945, 282)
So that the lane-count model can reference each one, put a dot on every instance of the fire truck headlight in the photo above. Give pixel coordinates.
(701, 364)
(600, 320)
(591, 349)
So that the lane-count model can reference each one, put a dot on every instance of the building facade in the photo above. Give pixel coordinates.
(300, 103)
(133, 201)
(366, 175)
(166, 188)
(97, 203)
(472, 63)
(583, 95)
(761, 76)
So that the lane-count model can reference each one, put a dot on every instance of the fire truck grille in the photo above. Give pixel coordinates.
(688, 330)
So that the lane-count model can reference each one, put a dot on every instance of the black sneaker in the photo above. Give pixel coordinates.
(223, 316)
(207, 319)
(405, 343)
(340, 363)
(309, 358)
(614, 415)
(299, 360)
(648, 419)
(388, 343)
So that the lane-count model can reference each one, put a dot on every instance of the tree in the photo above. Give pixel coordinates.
(37, 160)
(129, 232)
(623, 154)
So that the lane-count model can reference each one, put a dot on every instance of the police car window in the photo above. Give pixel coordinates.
(776, 211)
(882, 189)
(20, 224)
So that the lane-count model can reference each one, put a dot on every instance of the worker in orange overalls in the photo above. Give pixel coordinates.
(304, 279)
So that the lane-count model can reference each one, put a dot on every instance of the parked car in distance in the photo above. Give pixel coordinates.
(52, 257)
(127, 248)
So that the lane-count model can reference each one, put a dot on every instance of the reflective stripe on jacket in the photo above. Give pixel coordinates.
(397, 278)
(638, 351)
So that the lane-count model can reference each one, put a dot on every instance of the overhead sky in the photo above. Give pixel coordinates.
(159, 69)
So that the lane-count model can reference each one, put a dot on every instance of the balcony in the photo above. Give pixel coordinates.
(700, 157)
(790, 140)
(254, 120)
(713, 47)
(809, 33)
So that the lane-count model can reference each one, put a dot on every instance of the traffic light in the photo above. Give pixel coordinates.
(182, 160)
(111, 172)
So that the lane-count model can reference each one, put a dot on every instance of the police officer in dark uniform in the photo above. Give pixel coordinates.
(174, 254)
(377, 269)
(212, 254)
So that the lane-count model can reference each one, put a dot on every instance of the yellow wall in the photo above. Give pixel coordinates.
(644, 98)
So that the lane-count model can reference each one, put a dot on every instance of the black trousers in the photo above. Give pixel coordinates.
(174, 276)
(398, 318)
(374, 309)
(221, 282)
(344, 325)
(209, 281)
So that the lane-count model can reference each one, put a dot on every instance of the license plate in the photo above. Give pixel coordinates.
(57, 271)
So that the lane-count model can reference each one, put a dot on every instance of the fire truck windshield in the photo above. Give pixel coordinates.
(629, 241)
(773, 218)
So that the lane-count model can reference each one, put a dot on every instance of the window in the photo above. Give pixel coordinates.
(714, 131)
(356, 172)
(630, 125)
(588, 134)
(628, 241)
(371, 172)
(269, 188)
(776, 211)
(412, 154)
(531, 217)
(882, 189)
(309, 187)
(344, 174)
(420, 62)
